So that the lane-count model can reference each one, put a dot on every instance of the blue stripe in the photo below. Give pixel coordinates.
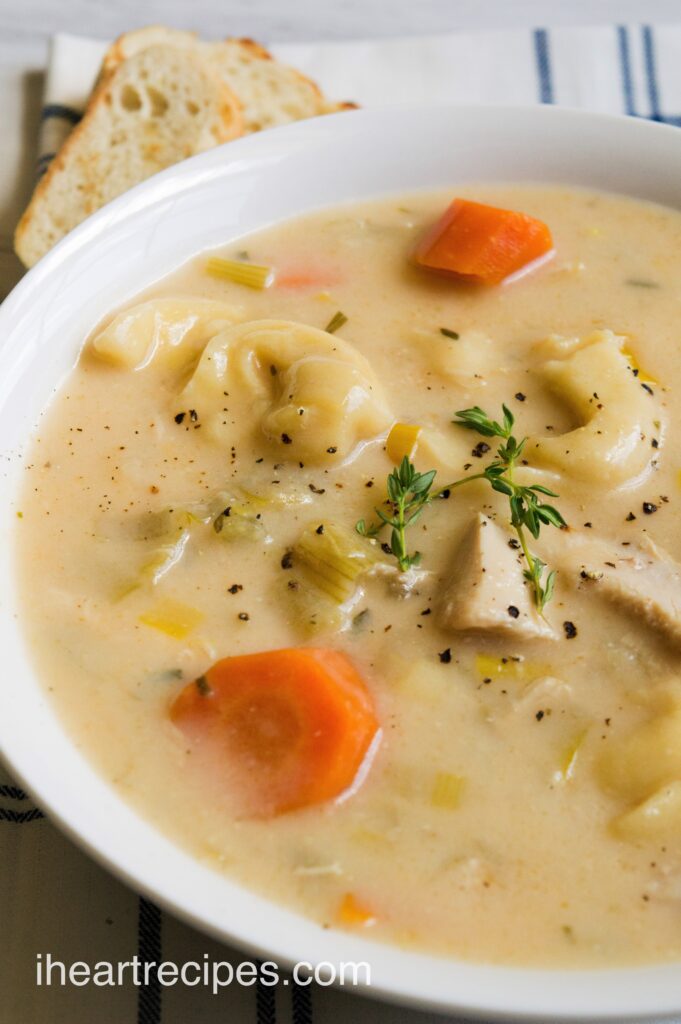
(43, 164)
(149, 951)
(265, 1002)
(19, 817)
(651, 72)
(625, 68)
(543, 58)
(301, 1003)
(61, 111)
(13, 792)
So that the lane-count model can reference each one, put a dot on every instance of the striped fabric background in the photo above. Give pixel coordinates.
(628, 69)
(52, 897)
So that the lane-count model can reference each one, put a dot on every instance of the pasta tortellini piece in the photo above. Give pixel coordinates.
(170, 331)
(613, 444)
(657, 818)
(637, 764)
(644, 768)
(640, 578)
(312, 395)
(467, 360)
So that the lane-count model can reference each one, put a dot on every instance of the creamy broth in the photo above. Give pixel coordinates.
(505, 814)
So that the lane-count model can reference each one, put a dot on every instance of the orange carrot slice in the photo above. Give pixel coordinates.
(482, 244)
(290, 728)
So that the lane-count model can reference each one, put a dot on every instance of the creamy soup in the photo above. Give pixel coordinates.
(484, 758)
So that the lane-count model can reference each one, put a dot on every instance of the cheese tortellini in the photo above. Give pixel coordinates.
(312, 395)
(613, 444)
(172, 332)
(644, 768)
(657, 818)
(468, 360)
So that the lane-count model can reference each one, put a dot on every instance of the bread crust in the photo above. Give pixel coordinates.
(273, 94)
(228, 127)
(132, 42)
(129, 43)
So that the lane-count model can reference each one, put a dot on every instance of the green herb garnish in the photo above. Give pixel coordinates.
(408, 495)
(528, 511)
(167, 675)
(409, 492)
(450, 334)
(640, 282)
(203, 686)
(219, 520)
(361, 620)
(336, 322)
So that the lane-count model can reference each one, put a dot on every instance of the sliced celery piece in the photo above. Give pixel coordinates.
(334, 558)
(240, 272)
(174, 618)
(447, 791)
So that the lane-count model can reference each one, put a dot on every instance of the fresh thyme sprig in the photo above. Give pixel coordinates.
(528, 511)
(409, 492)
(408, 495)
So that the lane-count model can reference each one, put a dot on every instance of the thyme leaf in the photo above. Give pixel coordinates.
(408, 494)
(528, 511)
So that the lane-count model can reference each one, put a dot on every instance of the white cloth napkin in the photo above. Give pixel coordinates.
(53, 898)
(620, 69)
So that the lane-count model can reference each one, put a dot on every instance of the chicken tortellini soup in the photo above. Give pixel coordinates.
(349, 555)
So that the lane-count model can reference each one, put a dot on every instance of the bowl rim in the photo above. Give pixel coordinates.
(511, 993)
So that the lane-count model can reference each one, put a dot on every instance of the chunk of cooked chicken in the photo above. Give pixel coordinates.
(487, 589)
(642, 579)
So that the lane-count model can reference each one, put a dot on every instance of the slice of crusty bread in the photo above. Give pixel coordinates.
(130, 43)
(162, 95)
(270, 93)
(154, 109)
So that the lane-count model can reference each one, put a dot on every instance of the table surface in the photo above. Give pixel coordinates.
(26, 26)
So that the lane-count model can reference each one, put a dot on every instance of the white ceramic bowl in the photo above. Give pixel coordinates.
(203, 203)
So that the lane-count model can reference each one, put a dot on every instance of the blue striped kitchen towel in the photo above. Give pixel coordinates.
(52, 896)
(627, 69)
